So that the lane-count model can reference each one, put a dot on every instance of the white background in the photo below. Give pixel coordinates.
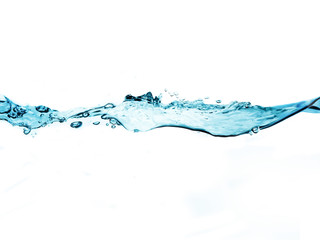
(98, 183)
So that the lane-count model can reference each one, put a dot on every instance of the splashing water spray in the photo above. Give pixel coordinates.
(145, 112)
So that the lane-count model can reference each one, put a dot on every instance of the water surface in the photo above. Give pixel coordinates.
(146, 112)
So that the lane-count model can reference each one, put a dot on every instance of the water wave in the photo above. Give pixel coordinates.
(146, 112)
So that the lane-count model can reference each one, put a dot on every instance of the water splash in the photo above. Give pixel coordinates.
(145, 112)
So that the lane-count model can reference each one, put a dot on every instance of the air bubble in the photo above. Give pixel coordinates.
(61, 120)
(76, 124)
(113, 121)
(109, 105)
(105, 116)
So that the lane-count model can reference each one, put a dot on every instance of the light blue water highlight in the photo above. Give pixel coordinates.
(145, 112)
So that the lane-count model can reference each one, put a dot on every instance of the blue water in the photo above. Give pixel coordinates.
(146, 112)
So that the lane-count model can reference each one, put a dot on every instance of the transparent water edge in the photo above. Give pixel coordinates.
(146, 112)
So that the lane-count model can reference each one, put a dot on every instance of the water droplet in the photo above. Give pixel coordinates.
(218, 101)
(113, 126)
(255, 130)
(107, 124)
(96, 123)
(33, 134)
(136, 130)
(26, 131)
(76, 124)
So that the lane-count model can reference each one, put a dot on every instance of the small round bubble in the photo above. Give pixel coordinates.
(113, 121)
(76, 124)
(255, 130)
